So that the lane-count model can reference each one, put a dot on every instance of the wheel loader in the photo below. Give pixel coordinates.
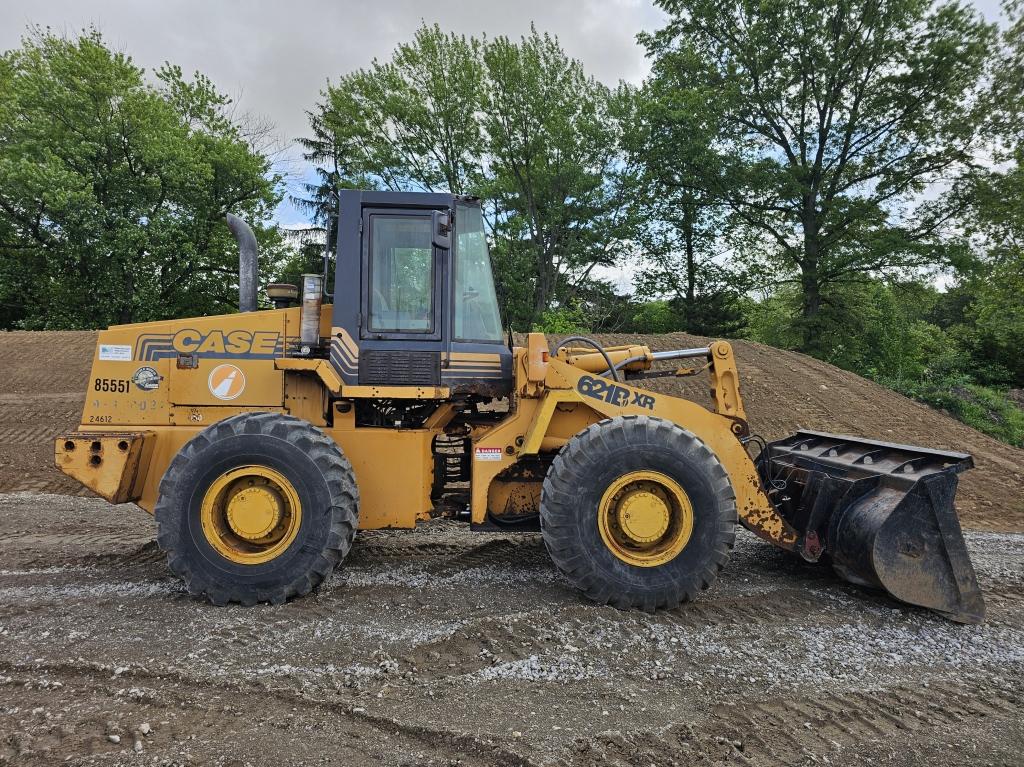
(262, 440)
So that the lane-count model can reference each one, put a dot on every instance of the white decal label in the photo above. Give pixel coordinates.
(121, 353)
(488, 453)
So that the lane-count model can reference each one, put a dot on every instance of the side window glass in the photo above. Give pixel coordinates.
(401, 275)
(476, 305)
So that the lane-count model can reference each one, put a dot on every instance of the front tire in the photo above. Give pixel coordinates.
(259, 507)
(638, 513)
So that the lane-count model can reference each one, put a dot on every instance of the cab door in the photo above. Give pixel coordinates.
(401, 318)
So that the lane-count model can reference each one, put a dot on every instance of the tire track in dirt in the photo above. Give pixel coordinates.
(798, 731)
(27, 434)
(93, 678)
(820, 724)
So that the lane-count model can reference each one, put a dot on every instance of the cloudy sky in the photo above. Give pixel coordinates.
(274, 57)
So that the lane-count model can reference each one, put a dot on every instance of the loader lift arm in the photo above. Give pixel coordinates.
(883, 513)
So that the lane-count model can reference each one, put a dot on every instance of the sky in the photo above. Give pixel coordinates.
(274, 58)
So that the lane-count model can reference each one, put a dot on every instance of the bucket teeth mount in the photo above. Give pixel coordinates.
(881, 513)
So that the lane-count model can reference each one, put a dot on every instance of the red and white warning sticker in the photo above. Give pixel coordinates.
(488, 453)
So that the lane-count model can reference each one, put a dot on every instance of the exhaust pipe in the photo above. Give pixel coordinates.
(248, 263)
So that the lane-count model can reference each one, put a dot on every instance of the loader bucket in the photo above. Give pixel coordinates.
(881, 513)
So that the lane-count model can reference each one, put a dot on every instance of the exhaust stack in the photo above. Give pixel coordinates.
(248, 263)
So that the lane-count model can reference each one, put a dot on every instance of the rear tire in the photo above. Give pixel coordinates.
(312, 503)
(638, 465)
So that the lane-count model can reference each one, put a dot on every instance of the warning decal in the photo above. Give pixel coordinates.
(488, 453)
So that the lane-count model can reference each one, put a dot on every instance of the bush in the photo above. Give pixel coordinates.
(984, 408)
(564, 321)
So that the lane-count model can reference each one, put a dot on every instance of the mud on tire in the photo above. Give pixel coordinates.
(595, 459)
(316, 468)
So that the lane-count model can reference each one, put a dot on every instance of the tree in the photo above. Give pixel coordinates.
(559, 179)
(408, 123)
(517, 123)
(682, 231)
(993, 280)
(113, 190)
(825, 120)
(405, 124)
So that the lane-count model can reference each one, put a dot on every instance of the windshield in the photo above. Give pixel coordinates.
(476, 305)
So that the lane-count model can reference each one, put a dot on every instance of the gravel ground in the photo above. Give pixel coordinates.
(446, 647)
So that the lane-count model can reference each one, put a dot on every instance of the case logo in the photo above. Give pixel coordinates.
(233, 344)
(226, 382)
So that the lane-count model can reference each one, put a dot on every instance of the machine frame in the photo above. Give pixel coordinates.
(396, 428)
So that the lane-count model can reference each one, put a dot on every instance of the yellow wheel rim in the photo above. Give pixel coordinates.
(645, 518)
(251, 514)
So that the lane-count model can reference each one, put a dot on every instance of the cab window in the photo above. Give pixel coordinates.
(401, 274)
(476, 306)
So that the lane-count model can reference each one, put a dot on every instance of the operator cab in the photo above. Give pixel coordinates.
(414, 298)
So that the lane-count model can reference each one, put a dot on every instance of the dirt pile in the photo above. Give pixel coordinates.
(42, 390)
(43, 379)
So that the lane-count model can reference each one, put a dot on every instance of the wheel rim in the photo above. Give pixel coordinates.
(645, 518)
(251, 514)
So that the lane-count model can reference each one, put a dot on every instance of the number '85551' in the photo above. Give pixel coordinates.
(118, 385)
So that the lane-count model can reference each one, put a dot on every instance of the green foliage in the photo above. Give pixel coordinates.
(558, 179)
(682, 231)
(880, 330)
(113, 189)
(655, 317)
(564, 321)
(403, 124)
(904, 336)
(518, 123)
(818, 125)
(984, 408)
(993, 284)
(772, 320)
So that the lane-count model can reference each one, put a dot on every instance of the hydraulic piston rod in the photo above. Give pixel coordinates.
(678, 354)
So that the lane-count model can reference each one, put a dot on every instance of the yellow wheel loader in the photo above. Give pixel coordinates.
(262, 440)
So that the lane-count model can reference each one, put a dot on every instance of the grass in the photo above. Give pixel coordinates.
(984, 408)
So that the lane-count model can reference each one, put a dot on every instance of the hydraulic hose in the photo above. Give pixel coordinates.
(600, 349)
(627, 361)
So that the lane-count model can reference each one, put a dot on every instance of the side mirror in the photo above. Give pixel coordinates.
(441, 221)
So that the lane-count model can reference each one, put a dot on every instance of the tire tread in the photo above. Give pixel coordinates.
(330, 461)
(574, 467)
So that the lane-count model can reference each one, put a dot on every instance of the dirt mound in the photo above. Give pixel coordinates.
(42, 390)
(43, 380)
